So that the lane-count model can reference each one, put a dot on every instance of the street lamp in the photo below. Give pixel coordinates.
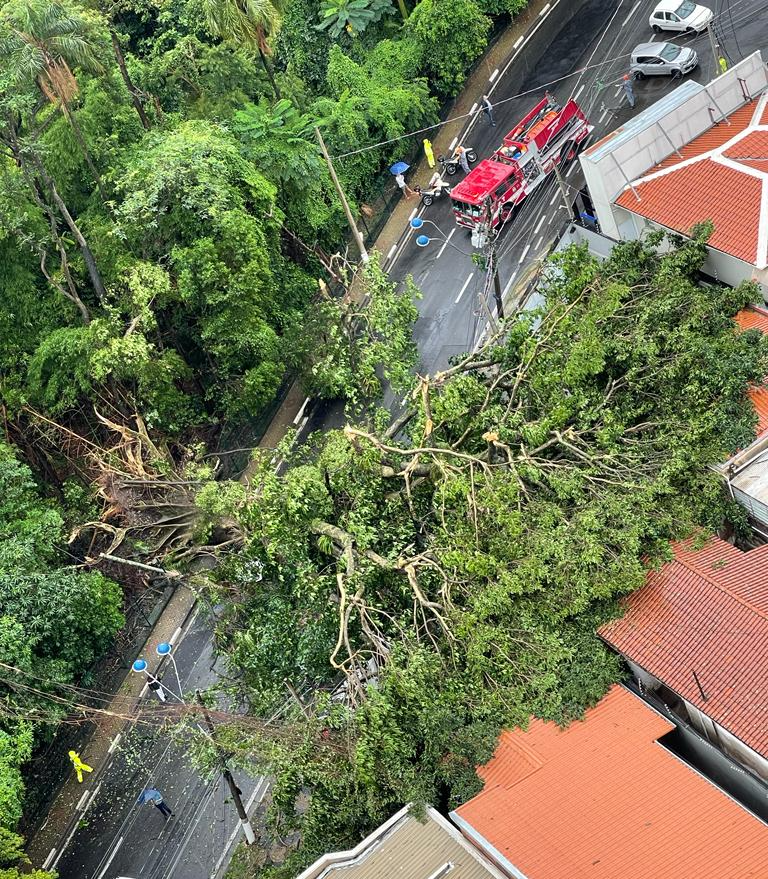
(423, 240)
(166, 649)
(140, 667)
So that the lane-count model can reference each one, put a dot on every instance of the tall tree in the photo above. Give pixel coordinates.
(42, 42)
(248, 23)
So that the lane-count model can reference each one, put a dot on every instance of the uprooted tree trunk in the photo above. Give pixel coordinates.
(149, 515)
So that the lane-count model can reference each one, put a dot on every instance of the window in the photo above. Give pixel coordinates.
(670, 52)
(686, 8)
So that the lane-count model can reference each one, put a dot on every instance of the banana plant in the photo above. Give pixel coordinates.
(352, 16)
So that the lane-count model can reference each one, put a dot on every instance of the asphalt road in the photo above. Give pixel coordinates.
(117, 839)
(452, 317)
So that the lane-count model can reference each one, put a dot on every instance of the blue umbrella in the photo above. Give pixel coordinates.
(148, 795)
(399, 168)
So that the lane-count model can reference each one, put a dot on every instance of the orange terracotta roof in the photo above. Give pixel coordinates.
(719, 176)
(753, 317)
(606, 801)
(705, 611)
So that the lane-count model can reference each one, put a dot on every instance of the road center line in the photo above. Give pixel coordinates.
(569, 172)
(445, 243)
(539, 243)
(461, 292)
(580, 90)
(631, 13)
(602, 116)
(545, 10)
(539, 224)
(524, 253)
(554, 197)
(111, 858)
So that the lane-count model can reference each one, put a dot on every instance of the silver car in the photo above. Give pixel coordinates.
(662, 59)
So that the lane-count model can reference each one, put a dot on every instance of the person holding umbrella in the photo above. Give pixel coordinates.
(399, 169)
(153, 796)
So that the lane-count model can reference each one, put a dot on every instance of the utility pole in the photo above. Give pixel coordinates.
(563, 190)
(350, 219)
(496, 280)
(250, 836)
(715, 52)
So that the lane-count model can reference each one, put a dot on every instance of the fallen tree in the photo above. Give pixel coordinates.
(451, 568)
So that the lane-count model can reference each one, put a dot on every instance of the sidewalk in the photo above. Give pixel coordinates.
(72, 797)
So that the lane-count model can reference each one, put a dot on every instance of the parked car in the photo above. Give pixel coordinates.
(672, 15)
(662, 59)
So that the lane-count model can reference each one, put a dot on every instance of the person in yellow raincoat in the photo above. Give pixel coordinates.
(428, 153)
(80, 767)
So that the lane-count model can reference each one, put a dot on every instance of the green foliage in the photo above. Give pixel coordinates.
(13, 862)
(450, 35)
(343, 346)
(466, 565)
(352, 16)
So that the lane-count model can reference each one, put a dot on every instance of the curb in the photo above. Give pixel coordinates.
(51, 839)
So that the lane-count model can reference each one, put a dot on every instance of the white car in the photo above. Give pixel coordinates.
(674, 15)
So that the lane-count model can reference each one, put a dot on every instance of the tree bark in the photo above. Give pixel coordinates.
(132, 90)
(85, 250)
(77, 131)
(268, 70)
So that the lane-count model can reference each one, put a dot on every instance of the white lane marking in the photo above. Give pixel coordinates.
(618, 90)
(545, 10)
(524, 253)
(51, 856)
(303, 424)
(651, 39)
(111, 858)
(632, 11)
(493, 75)
(233, 837)
(392, 251)
(144, 690)
(445, 243)
(554, 197)
(538, 243)
(297, 419)
(114, 743)
(554, 216)
(539, 224)
(517, 42)
(571, 170)
(474, 107)
(413, 214)
(602, 116)
(81, 801)
(580, 90)
(461, 292)
(176, 635)
(93, 796)
(453, 143)
(509, 284)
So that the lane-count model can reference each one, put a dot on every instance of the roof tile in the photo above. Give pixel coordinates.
(707, 189)
(609, 802)
(705, 611)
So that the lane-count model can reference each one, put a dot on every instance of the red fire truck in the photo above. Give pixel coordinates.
(549, 135)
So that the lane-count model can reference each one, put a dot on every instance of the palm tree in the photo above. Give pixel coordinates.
(247, 22)
(41, 42)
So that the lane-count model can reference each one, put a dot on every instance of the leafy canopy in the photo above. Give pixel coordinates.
(465, 556)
